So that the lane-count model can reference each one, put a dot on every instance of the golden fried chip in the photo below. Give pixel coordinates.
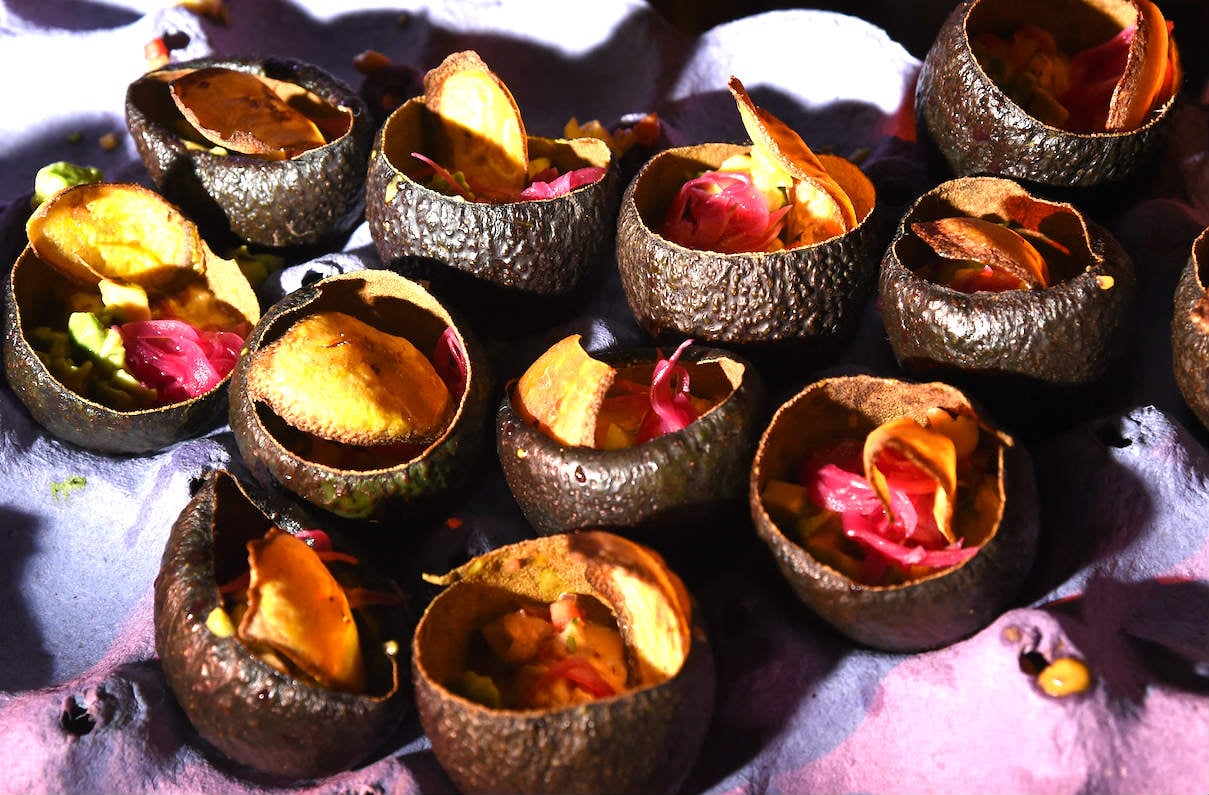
(298, 609)
(1145, 72)
(339, 378)
(241, 112)
(562, 392)
(116, 231)
(820, 208)
(986, 242)
(482, 134)
(932, 452)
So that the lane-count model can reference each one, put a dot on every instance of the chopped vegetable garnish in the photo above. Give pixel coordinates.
(546, 656)
(53, 178)
(550, 184)
(644, 132)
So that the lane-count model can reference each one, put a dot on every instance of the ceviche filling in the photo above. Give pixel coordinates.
(892, 507)
(542, 656)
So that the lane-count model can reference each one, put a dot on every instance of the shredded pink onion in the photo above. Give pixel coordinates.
(449, 360)
(723, 211)
(671, 408)
(175, 359)
(905, 536)
(550, 184)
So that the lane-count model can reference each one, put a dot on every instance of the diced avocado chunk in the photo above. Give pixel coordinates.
(55, 177)
(101, 344)
(127, 302)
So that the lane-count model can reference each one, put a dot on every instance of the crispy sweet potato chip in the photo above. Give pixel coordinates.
(339, 378)
(1146, 70)
(932, 452)
(115, 231)
(974, 239)
(298, 609)
(482, 134)
(562, 392)
(241, 112)
(820, 208)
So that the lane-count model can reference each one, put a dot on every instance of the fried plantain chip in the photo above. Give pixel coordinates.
(932, 452)
(562, 392)
(820, 208)
(1146, 71)
(988, 243)
(116, 231)
(336, 377)
(298, 609)
(242, 112)
(482, 134)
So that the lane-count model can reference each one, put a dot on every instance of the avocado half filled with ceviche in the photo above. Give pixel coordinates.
(897, 511)
(1076, 93)
(290, 698)
(1190, 330)
(749, 245)
(121, 325)
(270, 150)
(989, 286)
(458, 193)
(568, 663)
(362, 395)
(630, 440)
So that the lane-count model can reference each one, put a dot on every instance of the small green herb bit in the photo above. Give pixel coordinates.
(62, 489)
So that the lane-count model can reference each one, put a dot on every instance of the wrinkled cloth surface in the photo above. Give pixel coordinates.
(1122, 575)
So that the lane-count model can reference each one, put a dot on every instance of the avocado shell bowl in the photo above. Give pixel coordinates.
(30, 302)
(644, 739)
(1190, 331)
(686, 478)
(391, 486)
(917, 614)
(537, 250)
(1058, 338)
(308, 199)
(979, 129)
(812, 294)
(250, 711)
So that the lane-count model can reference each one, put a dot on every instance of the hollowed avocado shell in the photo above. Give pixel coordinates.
(538, 248)
(399, 306)
(811, 294)
(979, 129)
(682, 479)
(921, 614)
(640, 741)
(248, 710)
(67, 414)
(306, 200)
(1190, 332)
(1062, 337)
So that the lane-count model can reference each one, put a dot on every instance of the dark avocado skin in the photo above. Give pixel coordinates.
(246, 709)
(642, 742)
(306, 200)
(1190, 342)
(686, 478)
(814, 294)
(407, 488)
(534, 248)
(1065, 336)
(980, 130)
(72, 418)
(929, 613)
